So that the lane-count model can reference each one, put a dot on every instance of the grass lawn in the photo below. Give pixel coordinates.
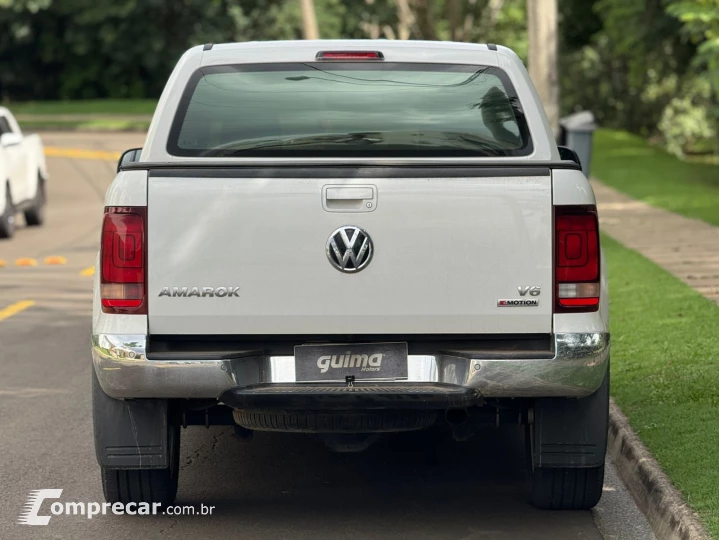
(630, 164)
(94, 124)
(89, 106)
(665, 372)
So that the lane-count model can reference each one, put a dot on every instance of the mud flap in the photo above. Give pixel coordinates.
(129, 434)
(571, 433)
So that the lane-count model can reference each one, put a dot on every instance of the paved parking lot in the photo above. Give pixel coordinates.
(416, 485)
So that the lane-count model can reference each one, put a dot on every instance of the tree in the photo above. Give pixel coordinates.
(543, 66)
(309, 20)
(630, 69)
(701, 23)
(700, 20)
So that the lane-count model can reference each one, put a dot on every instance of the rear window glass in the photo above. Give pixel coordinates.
(349, 109)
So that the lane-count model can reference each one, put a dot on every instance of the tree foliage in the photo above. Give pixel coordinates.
(628, 70)
(72, 49)
(94, 48)
(635, 63)
(700, 20)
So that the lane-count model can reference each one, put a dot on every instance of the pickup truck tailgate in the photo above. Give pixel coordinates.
(446, 251)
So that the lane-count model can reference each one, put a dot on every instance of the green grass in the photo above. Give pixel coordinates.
(665, 372)
(96, 124)
(89, 106)
(628, 163)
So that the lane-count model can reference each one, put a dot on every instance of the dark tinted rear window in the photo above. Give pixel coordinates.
(330, 109)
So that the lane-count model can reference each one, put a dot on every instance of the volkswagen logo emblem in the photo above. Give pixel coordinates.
(349, 249)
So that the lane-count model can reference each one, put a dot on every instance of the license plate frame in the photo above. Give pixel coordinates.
(330, 362)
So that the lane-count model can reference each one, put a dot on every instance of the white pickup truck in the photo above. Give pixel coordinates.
(350, 238)
(23, 175)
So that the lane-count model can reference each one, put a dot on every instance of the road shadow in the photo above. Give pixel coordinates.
(410, 485)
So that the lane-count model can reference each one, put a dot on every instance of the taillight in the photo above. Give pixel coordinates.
(123, 260)
(576, 258)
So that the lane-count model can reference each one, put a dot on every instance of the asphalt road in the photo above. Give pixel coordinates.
(417, 485)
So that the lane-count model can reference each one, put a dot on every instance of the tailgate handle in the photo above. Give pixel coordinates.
(349, 193)
(349, 198)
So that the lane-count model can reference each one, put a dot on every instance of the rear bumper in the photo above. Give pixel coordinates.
(576, 370)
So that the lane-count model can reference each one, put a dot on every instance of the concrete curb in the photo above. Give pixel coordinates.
(668, 515)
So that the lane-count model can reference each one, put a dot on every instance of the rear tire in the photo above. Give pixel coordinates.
(566, 489)
(145, 485)
(579, 487)
(35, 215)
(7, 218)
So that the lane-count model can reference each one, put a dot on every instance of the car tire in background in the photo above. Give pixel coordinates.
(7, 217)
(35, 215)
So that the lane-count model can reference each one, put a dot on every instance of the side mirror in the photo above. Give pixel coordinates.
(567, 154)
(129, 156)
(10, 139)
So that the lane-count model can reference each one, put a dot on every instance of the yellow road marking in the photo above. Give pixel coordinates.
(17, 307)
(90, 271)
(55, 260)
(31, 392)
(25, 262)
(2, 263)
(77, 153)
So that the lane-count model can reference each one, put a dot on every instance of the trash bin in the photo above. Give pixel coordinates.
(577, 131)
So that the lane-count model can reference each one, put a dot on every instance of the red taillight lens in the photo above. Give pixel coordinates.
(577, 258)
(349, 55)
(122, 258)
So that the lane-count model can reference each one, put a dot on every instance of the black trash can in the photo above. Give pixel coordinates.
(577, 132)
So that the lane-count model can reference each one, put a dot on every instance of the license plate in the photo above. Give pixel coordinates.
(363, 361)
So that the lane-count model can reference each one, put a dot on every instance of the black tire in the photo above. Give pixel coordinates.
(7, 218)
(566, 489)
(575, 488)
(145, 485)
(338, 422)
(35, 215)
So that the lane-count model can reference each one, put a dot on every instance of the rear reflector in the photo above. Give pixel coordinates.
(122, 260)
(576, 258)
(349, 55)
(579, 302)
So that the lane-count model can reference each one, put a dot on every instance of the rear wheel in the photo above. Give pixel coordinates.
(117, 425)
(35, 215)
(574, 433)
(7, 218)
(145, 485)
(566, 489)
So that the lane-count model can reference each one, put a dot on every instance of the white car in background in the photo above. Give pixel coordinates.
(23, 175)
